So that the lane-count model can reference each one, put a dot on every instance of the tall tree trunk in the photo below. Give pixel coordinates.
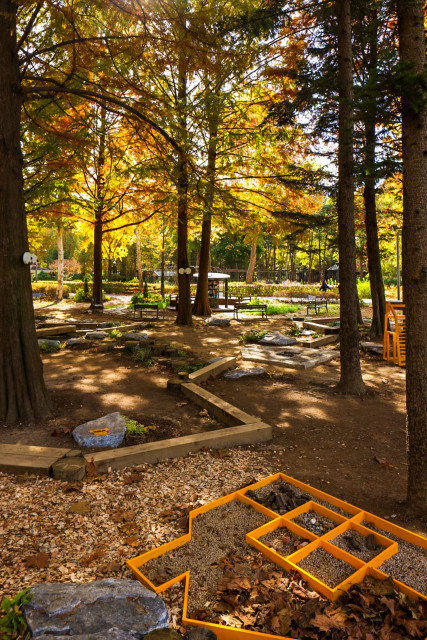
(162, 262)
(351, 375)
(99, 212)
(23, 395)
(201, 303)
(412, 47)
(138, 257)
(371, 226)
(60, 242)
(184, 307)
(252, 262)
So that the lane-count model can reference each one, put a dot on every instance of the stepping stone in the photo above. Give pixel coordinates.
(134, 335)
(95, 608)
(276, 339)
(96, 335)
(78, 343)
(107, 325)
(107, 431)
(307, 332)
(218, 322)
(244, 373)
(293, 357)
(54, 344)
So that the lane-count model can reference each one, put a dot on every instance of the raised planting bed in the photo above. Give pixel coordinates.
(240, 552)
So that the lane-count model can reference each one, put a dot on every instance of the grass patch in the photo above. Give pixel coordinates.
(277, 308)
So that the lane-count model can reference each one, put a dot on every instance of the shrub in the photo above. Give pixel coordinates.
(49, 290)
(81, 296)
(44, 276)
(364, 288)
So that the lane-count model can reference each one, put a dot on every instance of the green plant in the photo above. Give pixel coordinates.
(135, 430)
(142, 357)
(81, 296)
(116, 334)
(86, 286)
(48, 348)
(253, 335)
(364, 288)
(12, 621)
(189, 368)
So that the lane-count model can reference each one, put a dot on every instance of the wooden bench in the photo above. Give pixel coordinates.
(37, 296)
(254, 308)
(140, 306)
(315, 303)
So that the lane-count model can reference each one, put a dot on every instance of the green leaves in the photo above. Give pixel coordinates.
(12, 622)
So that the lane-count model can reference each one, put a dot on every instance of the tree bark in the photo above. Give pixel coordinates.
(351, 376)
(201, 303)
(252, 262)
(23, 395)
(138, 257)
(371, 226)
(99, 212)
(60, 242)
(184, 307)
(412, 48)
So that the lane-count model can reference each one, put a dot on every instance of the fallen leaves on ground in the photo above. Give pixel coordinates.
(271, 601)
(43, 540)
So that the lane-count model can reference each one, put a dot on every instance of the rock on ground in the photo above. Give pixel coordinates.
(242, 373)
(111, 605)
(276, 339)
(78, 343)
(134, 335)
(114, 422)
(111, 634)
(218, 322)
(96, 335)
(45, 342)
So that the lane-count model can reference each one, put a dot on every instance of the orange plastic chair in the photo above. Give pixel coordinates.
(395, 330)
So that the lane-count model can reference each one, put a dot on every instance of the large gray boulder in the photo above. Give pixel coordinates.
(276, 339)
(100, 609)
(96, 335)
(218, 322)
(111, 634)
(78, 343)
(244, 373)
(107, 431)
(135, 335)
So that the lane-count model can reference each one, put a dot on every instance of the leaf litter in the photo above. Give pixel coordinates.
(41, 541)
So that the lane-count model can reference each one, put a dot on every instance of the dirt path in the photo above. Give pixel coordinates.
(353, 448)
